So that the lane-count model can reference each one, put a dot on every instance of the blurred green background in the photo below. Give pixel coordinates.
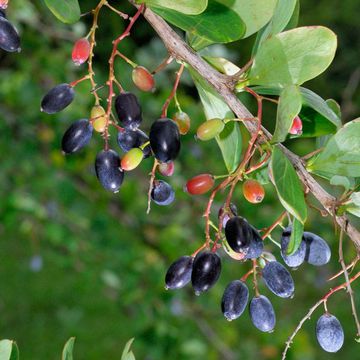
(78, 261)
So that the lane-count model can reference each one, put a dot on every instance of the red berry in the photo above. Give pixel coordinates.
(143, 79)
(167, 169)
(296, 127)
(81, 51)
(132, 159)
(200, 184)
(3, 4)
(253, 191)
(182, 120)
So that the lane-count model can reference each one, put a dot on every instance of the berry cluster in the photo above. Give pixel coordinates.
(9, 37)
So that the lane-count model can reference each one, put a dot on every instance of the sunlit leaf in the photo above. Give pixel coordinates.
(68, 349)
(189, 7)
(67, 11)
(296, 237)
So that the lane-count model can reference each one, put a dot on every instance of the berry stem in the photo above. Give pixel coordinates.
(168, 60)
(74, 83)
(257, 294)
(123, 15)
(130, 62)
(151, 183)
(274, 225)
(350, 266)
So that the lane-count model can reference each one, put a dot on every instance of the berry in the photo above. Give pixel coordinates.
(2, 14)
(234, 300)
(278, 279)
(298, 257)
(57, 99)
(108, 171)
(226, 217)
(209, 129)
(165, 139)
(318, 252)
(3, 4)
(179, 273)
(143, 79)
(76, 136)
(296, 127)
(162, 193)
(132, 159)
(9, 37)
(166, 169)
(329, 333)
(98, 117)
(200, 184)
(206, 271)
(182, 120)
(128, 110)
(262, 313)
(253, 191)
(81, 51)
(129, 139)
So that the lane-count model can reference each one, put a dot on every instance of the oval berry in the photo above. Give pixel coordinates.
(278, 279)
(143, 79)
(206, 271)
(132, 159)
(166, 169)
(3, 4)
(318, 252)
(298, 257)
(296, 127)
(234, 300)
(128, 110)
(253, 191)
(57, 99)
(162, 193)
(182, 120)
(81, 51)
(179, 273)
(9, 37)
(165, 139)
(209, 129)
(108, 171)
(262, 313)
(200, 184)
(76, 136)
(329, 333)
(98, 117)
(129, 139)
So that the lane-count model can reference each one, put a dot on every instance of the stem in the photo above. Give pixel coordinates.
(257, 294)
(168, 60)
(274, 225)
(152, 178)
(74, 83)
(130, 62)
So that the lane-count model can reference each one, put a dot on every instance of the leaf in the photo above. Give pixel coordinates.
(222, 65)
(67, 11)
(127, 353)
(289, 107)
(229, 140)
(68, 349)
(334, 106)
(341, 155)
(343, 181)
(354, 206)
(8, 350)
(296, 237)
(288, 185)
(229, 27)
(293, 57)
(189, 7)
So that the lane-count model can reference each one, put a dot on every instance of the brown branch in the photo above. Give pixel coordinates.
(224, 86)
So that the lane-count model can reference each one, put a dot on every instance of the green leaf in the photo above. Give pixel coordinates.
(68, 349)
(8, 350)
(67, 11)
(296, 237)
(293, 57)
(222, 65)
(341, 155)
(334, 106)
(289, 107)
(288, 185)
(229, 140)
(343, 181)
(229, 27)
(354, 206)
(189, 7)
(127, 353)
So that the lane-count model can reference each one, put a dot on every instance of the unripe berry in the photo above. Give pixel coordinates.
(182, 120)
(81, 51)
(143, 79)
(98, 117)
(200, 184)
(132, 159)
(167, 169)
(296, 127)
(209, 129)
(253, 191)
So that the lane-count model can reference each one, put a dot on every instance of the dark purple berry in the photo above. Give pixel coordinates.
(108, 171)
(206, 271)
(128, 110)
(179, 273)
(77, 136)
(57, 99)
(234, 300)
(298, 257)
(2, 13)
(165, 139)
(329, 333)
(262, 313)
(162, 193)
(278, 279)
(256, 246)
(318, 252)
(9, 37)
(129, 139)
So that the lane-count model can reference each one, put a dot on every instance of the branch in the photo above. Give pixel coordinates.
(224, 86)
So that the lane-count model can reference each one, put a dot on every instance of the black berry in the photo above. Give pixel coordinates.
(278, 279)
(162, 193)
(318, 252)
(57, 99)
(234, 300)
(165, 139)
(9, 37)
(179, 273)
(329, 333)
(262, 313)
(77, 136)
(128, 110)
(298, 257)
(129, 139)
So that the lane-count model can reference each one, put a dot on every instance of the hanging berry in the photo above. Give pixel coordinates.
(209, 129)
(200, 184)
(253, 191)
(182, 120)
(132, 159)
(143, 79)
(98, 117)
(81, 51)
(296, 127)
